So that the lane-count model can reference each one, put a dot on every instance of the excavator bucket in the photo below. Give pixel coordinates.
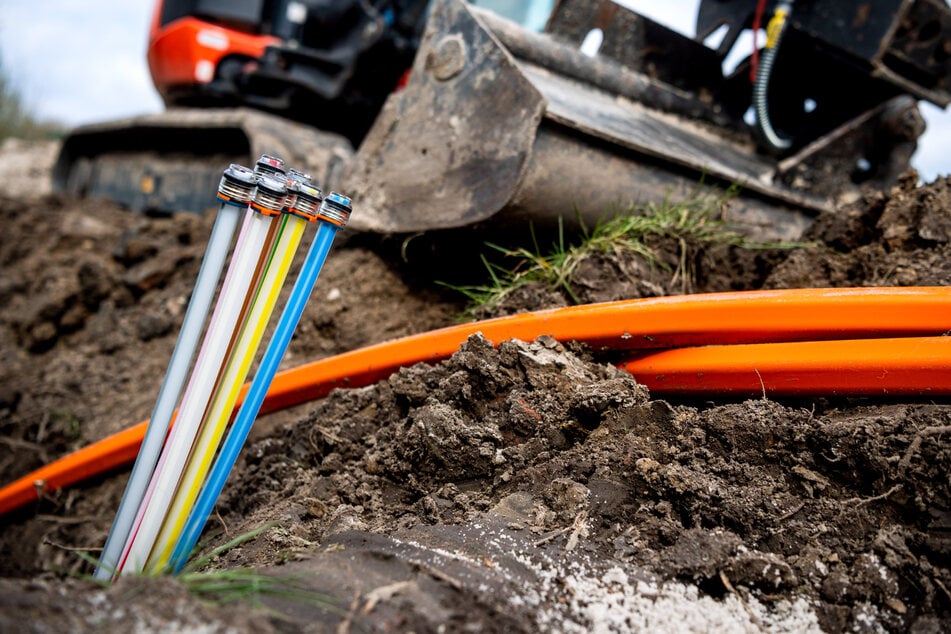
(497, 122)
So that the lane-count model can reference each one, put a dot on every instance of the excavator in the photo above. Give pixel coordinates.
(446, 114)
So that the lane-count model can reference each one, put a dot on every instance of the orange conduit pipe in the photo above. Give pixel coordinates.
(665, 322)
(726, 320)
(911, 366)
(115, 451)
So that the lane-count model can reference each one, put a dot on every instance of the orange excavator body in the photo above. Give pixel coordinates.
(187, 51)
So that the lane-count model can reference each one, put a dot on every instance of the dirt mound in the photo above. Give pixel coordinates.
(755, 498)
(524, 487)
(902, 238)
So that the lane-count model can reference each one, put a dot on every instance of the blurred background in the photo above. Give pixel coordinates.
(70, 62)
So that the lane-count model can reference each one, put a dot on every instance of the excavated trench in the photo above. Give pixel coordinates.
(528, 486)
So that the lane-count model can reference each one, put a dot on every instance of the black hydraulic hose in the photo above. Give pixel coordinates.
(774, 35)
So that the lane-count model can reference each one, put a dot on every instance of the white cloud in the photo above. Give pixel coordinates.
(79, 61)
(933, 158)
(680, 15)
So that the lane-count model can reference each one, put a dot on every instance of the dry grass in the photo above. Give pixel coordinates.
(693, 225)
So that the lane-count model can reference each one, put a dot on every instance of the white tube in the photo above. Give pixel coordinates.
(216, 420)
(201, 387)
(216, 253)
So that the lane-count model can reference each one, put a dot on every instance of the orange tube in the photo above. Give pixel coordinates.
(722, 319)
(667, 322)
(912, 366)
(109, 453)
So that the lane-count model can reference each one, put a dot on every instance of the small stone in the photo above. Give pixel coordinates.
(151, 326)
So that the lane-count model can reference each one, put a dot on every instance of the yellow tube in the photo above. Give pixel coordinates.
(775, 27)
(219, 413)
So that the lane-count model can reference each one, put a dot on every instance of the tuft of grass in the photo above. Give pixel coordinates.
(68, 421)
(200, 561)
(693, 225)
(244, 585)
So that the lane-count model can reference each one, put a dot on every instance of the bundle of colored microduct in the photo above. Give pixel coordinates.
(172, 466)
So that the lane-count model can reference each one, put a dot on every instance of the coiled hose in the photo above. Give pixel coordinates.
(774, 35)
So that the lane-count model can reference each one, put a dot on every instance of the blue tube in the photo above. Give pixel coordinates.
(195, 316)
(255, 397)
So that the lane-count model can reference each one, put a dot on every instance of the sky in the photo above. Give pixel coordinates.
(83, 61)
